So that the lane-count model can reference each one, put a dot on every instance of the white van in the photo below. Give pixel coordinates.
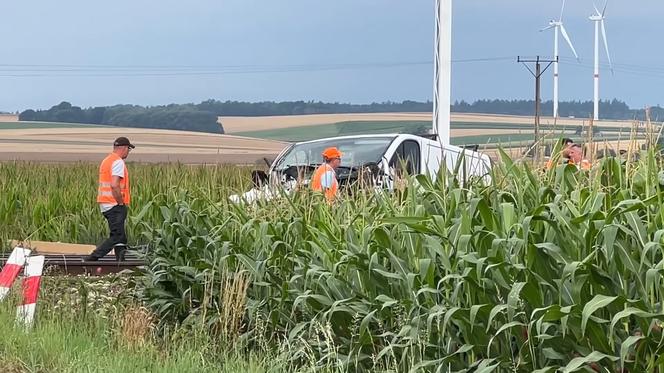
(379, 156)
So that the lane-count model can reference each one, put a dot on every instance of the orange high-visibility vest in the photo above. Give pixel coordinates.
(549, 164)
(584, 165)
(317, 185)
(104, 193)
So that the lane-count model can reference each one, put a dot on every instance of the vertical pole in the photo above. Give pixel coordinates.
(11, 270)
(596, 75)
(555, 72)
(25, 313)
(442, 71)
(537, 105)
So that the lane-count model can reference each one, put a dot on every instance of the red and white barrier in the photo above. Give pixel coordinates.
(32, 277)
(11, 270)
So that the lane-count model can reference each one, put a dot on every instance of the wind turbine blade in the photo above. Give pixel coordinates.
(561, 12)
(596, 10)
(604, 10)
(546, 28)
(606, 45)
(569, 42)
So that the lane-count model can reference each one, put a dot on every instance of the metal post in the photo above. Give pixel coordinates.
(537, 99)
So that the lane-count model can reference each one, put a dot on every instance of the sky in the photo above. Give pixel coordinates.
(149, 52)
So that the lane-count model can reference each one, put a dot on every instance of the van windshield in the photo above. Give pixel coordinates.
(356, 152)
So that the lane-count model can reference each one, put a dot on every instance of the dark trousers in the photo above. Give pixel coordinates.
(116, 224)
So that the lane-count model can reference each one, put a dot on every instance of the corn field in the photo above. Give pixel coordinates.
(57, 202)
(540, 271)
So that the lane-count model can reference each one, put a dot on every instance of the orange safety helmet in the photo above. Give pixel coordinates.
(331, 153)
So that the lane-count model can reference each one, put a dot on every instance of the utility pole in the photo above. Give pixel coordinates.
(442, 71)
(537, 74)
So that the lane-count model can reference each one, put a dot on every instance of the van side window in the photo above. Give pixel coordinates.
(408, 152)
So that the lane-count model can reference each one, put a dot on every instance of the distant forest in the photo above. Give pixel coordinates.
(202, 117)
(177, 117)
(608, 109)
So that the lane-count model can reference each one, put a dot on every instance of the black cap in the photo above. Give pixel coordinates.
(123, 141)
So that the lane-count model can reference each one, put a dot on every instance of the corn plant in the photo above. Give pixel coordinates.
(57, 202)
(557, 270)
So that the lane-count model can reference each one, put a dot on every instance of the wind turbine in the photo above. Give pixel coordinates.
(598, 19)
(557, 27)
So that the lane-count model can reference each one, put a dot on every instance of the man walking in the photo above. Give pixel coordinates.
(113, 197)
(324, 178)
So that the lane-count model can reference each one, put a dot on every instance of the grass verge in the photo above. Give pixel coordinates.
(71, 340)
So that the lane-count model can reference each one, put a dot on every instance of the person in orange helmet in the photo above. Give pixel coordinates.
(324, 178)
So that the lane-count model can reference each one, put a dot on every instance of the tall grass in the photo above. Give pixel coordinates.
(75, 333)
(539, 271)
(57, 202)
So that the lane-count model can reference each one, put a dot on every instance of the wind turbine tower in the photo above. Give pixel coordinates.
(598, 19)
(442, 71)
(558, 27)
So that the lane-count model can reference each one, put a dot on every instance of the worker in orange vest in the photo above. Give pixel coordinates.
(113, 197)
(565, 142)
(575, 155)
(325, 178)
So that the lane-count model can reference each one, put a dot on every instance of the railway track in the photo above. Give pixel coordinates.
(69, 264)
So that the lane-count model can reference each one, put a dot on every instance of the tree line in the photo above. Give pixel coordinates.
(187, 117)
(203, 116)
(609, 109)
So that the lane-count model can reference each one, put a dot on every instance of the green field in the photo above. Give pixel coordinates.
(304, 133)
(521, 132)
(31, 125)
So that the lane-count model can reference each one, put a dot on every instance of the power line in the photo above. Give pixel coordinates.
(650, 71)
(47, 70)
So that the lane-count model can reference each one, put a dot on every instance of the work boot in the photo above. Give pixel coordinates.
(120, 251)
(90, 258)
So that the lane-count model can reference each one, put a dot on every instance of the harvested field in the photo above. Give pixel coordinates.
(89, 143)
(8, 118)
(253, 138)
(245, 124)
(241, 124)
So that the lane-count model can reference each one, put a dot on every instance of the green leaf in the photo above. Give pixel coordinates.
(462, 350)
(474, 309)
(515, 294)
(387, 274)
(366, 320)
(598, 302)
(386, 301)
(448, 316)
(580, 362)
(495, 311)
(629, 312)
(485, 367)
(552, 354)
(545, 370)
(626, 345)
(500, 330)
